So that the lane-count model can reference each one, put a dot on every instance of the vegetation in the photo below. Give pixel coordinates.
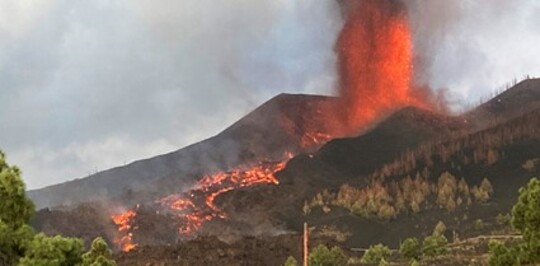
(525, 219)
(19, 244)
(291, 261)
(479, 148)
(376, 254)
(410, 249)
(385, 201)
(500, 255)
(99, 254)
(504, 219)
(434, 245)
(43, 250)
(323, 256)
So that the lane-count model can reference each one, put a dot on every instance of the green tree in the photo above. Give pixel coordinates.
(526, 218)
(500, 255)
(376, 253)
(15, 212)
(13, 242)
(15, 208)
(323, 256)
(410, 249)
(291, 261)
(439, 229)
(18, 241)
(52, 251)
(99, 254)
(434, 245)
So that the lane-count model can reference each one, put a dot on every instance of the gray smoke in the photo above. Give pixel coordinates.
(472, 48)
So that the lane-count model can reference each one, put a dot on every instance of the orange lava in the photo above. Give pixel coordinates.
(375, 61)
(124, 222)
(198, 206)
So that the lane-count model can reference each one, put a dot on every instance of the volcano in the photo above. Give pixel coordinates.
(226, 204)
(286, 123)
(255, 177)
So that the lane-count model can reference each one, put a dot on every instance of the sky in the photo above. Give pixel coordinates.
(89, 85)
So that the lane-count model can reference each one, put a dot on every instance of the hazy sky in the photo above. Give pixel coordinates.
(88, 85)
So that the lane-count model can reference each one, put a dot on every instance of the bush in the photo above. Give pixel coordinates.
(291, 261)
(439, 229)
(322, 256)
(479, 225)
(99, 254)
(499, 255)
(376, 253)
(504, 219)
(434, 245)
(43, 250)
(526, 218)
(410, 249)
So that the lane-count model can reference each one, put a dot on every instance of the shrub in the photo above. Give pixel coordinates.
(322, 256)
(479, 225)
(410, 248)
(499, 255)
(291, 261)
(383, 262)
(484, 192)
(434, 245)
(503, 219)
(376, 253)
(99, 254)
(439, 229)
(43, 250)
(526, 218)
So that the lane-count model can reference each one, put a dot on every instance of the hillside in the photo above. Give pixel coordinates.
(284, 123)
(519, 99)
(410, 142)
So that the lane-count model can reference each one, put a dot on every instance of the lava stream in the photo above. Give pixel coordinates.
(124, 222)
(198, 206)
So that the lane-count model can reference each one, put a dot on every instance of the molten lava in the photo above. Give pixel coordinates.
(375, 66)
(198, 205)
(375, 60)
(124, 222)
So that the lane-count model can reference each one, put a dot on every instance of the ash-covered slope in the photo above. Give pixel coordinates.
(352, 160)
(284, 123)
(337, 162)
(522, 98)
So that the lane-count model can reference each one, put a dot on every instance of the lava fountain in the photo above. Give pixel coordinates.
(375, 64)
(375, 61)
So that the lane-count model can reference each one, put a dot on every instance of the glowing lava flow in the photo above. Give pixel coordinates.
(375, 60)
(124, 223)
(198, 206)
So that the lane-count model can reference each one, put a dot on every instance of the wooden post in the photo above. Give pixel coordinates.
(306, 245)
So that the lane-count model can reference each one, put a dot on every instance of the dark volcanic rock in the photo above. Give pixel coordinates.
(267, 132)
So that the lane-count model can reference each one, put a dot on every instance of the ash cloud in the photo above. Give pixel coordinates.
(470, 49)
(89, 85)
